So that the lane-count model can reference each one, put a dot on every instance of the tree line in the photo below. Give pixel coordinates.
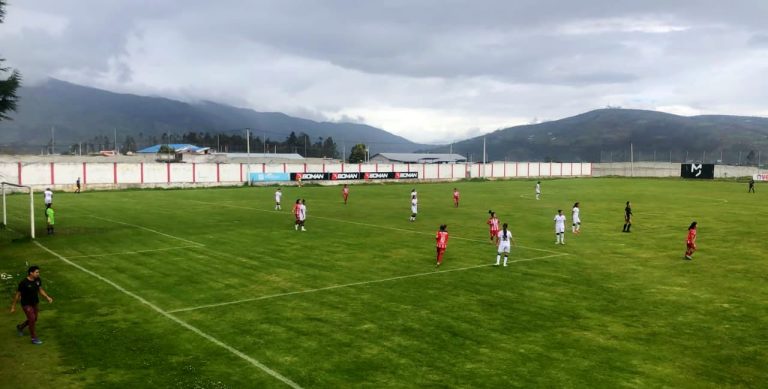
(301, 144)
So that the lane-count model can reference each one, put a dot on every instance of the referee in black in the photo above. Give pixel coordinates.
(627, 217)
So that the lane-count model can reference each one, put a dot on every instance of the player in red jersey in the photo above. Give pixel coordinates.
(441, 240)
(456, 197)
(295, 212)
(690, 242)
(493, 223)
(345, 193)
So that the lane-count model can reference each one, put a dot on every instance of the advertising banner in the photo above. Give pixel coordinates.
(270, 177)
(346, 176)
(310, 176)
(697, 170)
(760, 177)
(353, 176)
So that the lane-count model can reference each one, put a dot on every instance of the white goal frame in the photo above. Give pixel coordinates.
(31, 206)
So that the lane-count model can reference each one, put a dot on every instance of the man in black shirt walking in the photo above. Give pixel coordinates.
(27, 292)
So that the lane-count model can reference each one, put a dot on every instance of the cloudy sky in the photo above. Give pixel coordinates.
(431, 71)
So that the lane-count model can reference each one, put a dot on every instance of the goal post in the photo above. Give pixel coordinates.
(7, 188)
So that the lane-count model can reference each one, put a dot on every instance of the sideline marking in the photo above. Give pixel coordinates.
(146, 229)
(271, 296)
(182, 323)
(131, 252)
(371, 225)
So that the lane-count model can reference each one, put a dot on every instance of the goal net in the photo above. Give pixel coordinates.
(8, 189)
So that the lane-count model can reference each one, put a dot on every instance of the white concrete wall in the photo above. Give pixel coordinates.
(664, 169)
(106, 175)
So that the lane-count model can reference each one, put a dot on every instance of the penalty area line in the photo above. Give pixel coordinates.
(178, 321)
(146, 229)
(271, 296)
(132, 252)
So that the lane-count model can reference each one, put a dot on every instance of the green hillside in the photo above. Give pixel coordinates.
(598, 134)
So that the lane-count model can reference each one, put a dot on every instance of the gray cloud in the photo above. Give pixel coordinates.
(440, 67)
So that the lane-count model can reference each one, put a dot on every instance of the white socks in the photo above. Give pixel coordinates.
(498, 258)
(560, 238)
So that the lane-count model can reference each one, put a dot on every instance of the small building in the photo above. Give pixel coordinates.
(178, 148)
(417, 158)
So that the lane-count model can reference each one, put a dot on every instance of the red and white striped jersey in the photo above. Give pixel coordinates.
(493, 223)
(442, 239)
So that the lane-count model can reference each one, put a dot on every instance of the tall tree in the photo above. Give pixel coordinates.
(357, 154)
(8, 86)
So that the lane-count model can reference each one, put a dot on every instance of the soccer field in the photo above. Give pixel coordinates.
(213, 288)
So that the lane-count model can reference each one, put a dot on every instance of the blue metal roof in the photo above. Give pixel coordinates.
(178, 147)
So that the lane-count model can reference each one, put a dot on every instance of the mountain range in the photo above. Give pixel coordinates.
(613, 133)
(80, 113)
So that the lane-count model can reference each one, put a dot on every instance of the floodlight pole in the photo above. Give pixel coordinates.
(248, 150)
(5, 218)
(631, 160)
(31, 212)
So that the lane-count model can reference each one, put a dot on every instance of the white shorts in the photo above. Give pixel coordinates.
(414, 209)
(504, 247)
(560, 228)
(576, 220)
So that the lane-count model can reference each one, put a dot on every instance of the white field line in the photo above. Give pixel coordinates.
(147, 229)
(271, 296)
(371, 225)
(132, 252)
(182, 323)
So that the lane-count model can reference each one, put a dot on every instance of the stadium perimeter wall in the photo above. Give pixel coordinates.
(665, 169)
(120, 175)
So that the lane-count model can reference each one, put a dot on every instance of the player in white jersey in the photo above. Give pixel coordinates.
(538, 189)
(48, 197)
(559, 227)
(278, 198)
(414, 205)
(576, 227)
(302, 213)
(504, 241)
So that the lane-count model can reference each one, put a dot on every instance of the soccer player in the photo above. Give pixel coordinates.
(538, 189)
(690, 242)
(345, 193)
(493, 224)
(751, 186)
(48, 197)
(295, 212)
(27, 292)
(560, 227)
(504, 241)
(627, 217)
(414, 205)
(77, 183)
(49, 220)
(456, 197)
(303, 213)
(278, 198)
(576, 226)
(441, 240)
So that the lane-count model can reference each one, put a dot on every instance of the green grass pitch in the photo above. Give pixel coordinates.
(212, 288)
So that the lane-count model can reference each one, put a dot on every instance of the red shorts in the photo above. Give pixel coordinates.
(494, 233)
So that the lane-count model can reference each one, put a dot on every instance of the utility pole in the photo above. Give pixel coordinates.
(116, 149)
(248, 151)
(305, 145)
(631, 160)
(53, 139)
(483, 156)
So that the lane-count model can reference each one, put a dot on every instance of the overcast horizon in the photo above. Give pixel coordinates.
(430, 71)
